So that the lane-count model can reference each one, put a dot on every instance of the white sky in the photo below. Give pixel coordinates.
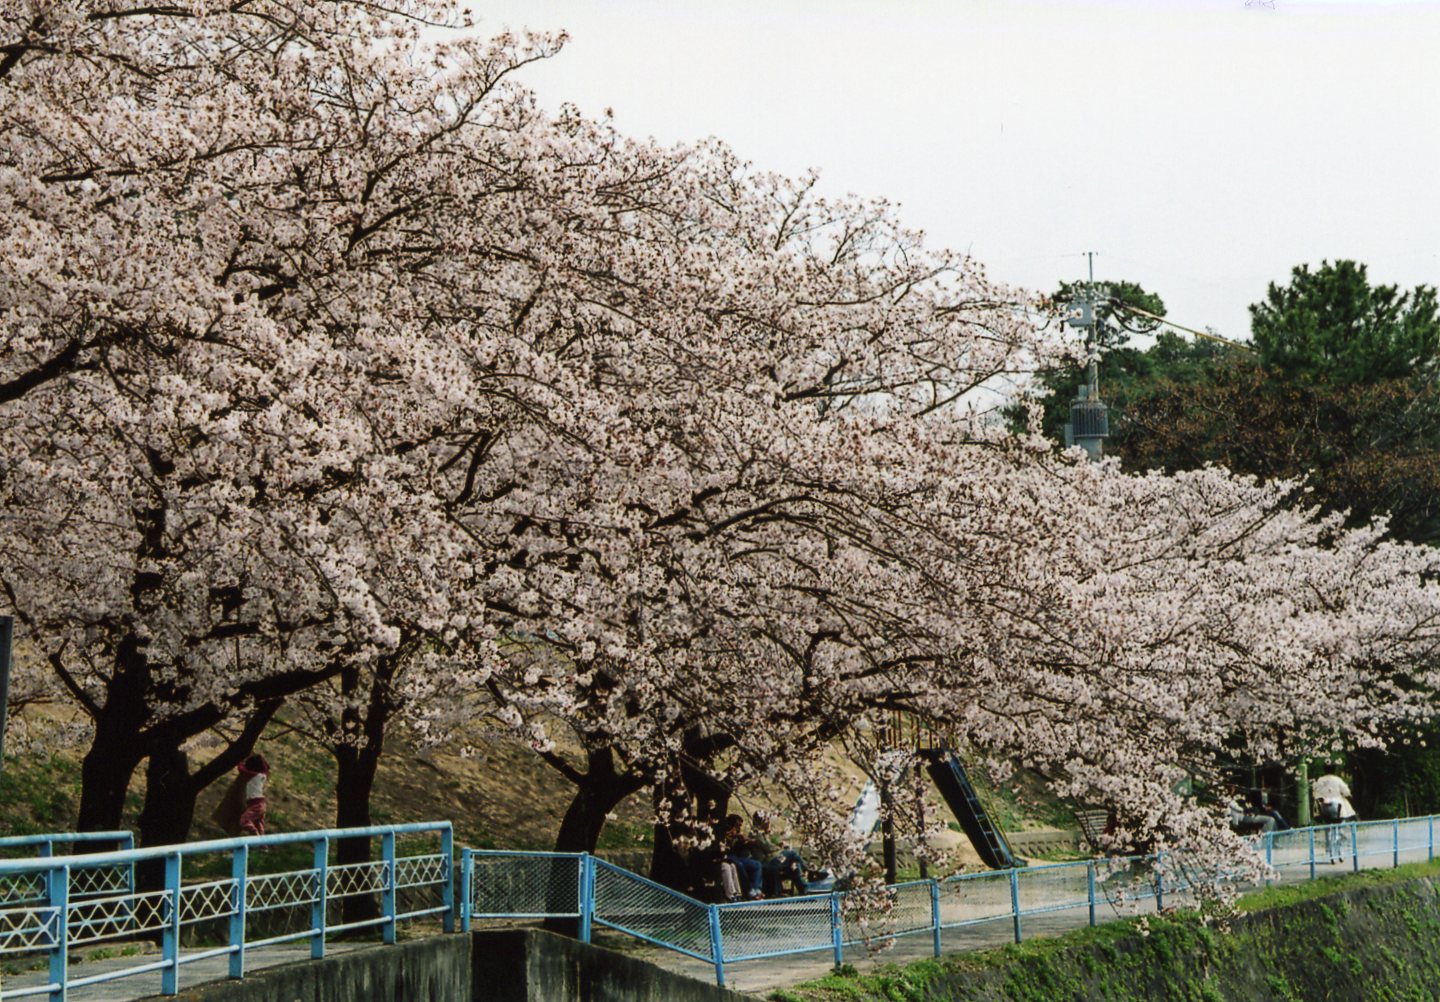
(1202, 148)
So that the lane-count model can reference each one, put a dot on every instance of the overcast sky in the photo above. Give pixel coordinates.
(1202, 148)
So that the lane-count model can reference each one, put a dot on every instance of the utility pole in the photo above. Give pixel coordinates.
(1089, 418)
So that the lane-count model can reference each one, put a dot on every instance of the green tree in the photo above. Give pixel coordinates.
(1340, 394)
(1370, 449)
(1121, 367)
(1332, 326)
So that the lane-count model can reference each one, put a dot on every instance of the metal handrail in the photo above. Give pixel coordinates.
(1144, 879)
(62, 916)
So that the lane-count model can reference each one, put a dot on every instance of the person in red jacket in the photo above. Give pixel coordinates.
(254, 771)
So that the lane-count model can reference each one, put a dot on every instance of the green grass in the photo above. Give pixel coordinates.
(38, 794)
(1050, 968)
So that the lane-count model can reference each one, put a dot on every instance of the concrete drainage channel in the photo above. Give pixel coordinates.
(506, 965)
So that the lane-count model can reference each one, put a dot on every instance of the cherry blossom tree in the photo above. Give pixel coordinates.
(332, 366)
(194, 259)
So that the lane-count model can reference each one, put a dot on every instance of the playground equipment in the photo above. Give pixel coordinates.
(953, 783)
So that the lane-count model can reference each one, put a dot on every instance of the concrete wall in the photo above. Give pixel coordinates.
(435, 969)
(529, 965)
(513, 965)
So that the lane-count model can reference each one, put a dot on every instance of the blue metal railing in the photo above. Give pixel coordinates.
(504, 885)
(51, 904)
(236, 884)
(90, 880)
(44, 845)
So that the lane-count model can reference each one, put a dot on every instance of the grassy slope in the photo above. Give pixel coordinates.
(501, 797)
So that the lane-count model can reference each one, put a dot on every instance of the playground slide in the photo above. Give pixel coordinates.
(866, 816)
(954, 785)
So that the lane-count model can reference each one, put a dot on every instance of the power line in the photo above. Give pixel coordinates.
(1189, 330)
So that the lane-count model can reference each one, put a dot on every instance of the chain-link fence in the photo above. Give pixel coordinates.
(1024, 902)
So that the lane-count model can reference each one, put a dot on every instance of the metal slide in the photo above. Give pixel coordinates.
(865, 818)
(954, 785)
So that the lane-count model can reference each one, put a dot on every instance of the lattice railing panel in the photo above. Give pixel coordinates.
(348, 879)
(281, 890)
(21, 888)
(212, 900)
(123, 915)
(92, 880)
(420, 871)
(26, 929)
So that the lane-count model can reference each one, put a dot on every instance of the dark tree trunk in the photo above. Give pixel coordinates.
(354, 783)
(169, 809)
(697, 803)
(887, 833)
(116, 749)
(169, 798)
(598, 791)
(357, 748)
(104, 780)
(667, 865)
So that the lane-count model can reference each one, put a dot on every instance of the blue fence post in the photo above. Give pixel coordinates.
(467, 887)
(1015, 901)
(1090, 888)
(717, 946)
(387, 896)
(935, 912)
(321, 864)
(1355, 846)
(1269, 855)
(1312, 853)
(447, 887)
(1430, 839)
(837, 935)
(587, 896)
(1395, 840)
(57, 896)
(239, 872)
(170, 938)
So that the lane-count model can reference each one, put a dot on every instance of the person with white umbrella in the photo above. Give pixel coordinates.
(1332, 807)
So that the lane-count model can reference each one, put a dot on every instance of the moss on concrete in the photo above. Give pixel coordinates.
(1375, 936)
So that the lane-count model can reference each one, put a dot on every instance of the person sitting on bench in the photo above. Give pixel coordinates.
(1247, 822)
(737, 851)
(777, 866)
